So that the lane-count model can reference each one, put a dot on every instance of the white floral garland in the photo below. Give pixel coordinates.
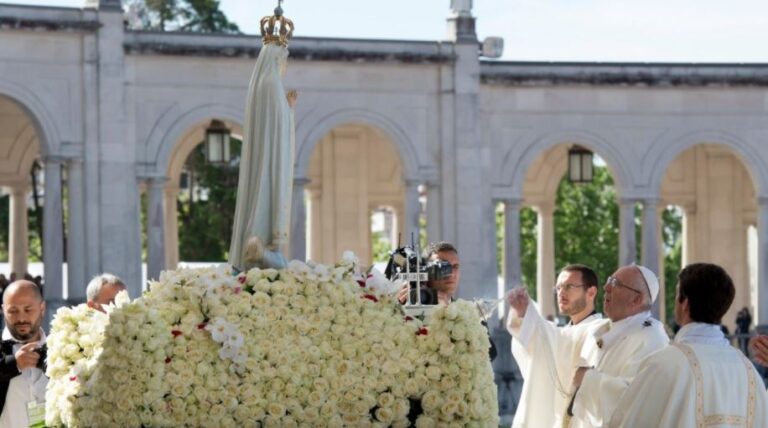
(310, 345)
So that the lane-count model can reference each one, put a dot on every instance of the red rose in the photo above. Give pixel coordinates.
(241, 279)
(167, 360)
(176, 333)
(370, 297)
(408, 318)
(73, 378)
(201, 326)
(422, 331)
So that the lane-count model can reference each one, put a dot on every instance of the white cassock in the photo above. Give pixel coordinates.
(548, 357)
(265, 184)
(618, 349)
(700, 380)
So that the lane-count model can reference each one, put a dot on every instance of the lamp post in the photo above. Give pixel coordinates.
(580, 165)
(217, 143)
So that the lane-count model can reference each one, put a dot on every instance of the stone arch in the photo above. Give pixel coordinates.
(309, 136)
(668, 150)
(40, 117)
(515, 164)
(172, 128)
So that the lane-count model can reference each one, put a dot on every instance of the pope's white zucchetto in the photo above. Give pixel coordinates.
(650, 280)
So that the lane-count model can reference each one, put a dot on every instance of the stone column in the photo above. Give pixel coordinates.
(299, 220)
(76, 280)
(545, 263)
(627, 242)
(512, 269)
(434, 224)
(650, 256)
(761, 317)
(19, 227)
(411, 212)
(53, 236)
(171, 227)
(155, 228)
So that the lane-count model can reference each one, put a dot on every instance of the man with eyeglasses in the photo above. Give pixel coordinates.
(700, 380)
(548, 369)
(612, 349)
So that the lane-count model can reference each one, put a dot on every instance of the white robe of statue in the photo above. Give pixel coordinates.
(700, 361)
(618, 350)
(265, 185)
(548, 357)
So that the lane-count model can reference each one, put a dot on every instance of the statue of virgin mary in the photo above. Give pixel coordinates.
(265, 184)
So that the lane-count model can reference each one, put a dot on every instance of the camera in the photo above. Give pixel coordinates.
(405, 264)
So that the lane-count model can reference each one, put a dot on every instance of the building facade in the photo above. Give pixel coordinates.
(111, 113)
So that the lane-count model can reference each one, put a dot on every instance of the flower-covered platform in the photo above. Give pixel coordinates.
(311, 345)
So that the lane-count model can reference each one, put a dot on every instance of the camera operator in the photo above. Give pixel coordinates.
(438, 290)
(22, 355)
(442, 291)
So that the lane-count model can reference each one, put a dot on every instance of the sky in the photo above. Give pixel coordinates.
(731, 31)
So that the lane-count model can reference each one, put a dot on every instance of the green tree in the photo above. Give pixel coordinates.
(202, 16)
(672, 232)
(206, 212)
(586, 225)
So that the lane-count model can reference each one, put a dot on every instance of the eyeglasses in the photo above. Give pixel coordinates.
(567, 287)
(614, 282)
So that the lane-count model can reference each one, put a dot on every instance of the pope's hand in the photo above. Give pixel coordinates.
(518, 299)
(26, 356)
(759, 345)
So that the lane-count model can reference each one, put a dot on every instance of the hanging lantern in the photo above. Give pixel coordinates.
(580, 165)
(217, 143)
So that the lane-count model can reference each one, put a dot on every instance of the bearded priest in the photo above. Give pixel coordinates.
(547, 362)
(700, 380)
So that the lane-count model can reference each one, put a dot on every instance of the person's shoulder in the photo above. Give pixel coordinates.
(667, 360)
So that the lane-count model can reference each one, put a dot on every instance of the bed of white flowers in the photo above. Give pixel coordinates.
(311, 345)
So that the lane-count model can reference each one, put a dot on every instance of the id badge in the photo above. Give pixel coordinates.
(36, 414)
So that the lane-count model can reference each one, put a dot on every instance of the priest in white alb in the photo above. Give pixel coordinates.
(700, 379)
(546, 363)
(616, 349)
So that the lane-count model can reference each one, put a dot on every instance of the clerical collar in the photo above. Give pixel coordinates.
(696, 332)
(619, 329)
(583, 319)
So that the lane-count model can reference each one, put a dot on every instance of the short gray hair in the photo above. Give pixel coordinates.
(98, 282)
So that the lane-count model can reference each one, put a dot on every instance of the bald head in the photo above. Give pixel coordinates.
(22, 287)
(23, 310)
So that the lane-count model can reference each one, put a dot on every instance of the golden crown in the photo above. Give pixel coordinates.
(276, 29)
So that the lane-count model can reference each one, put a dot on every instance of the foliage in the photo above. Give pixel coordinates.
(202, 16)
(380, 247)
(672, 231)
(586, 225)
(207, 210)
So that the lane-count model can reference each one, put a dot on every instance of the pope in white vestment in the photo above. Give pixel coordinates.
(700, 380)
(610, 352)
(616, 349)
